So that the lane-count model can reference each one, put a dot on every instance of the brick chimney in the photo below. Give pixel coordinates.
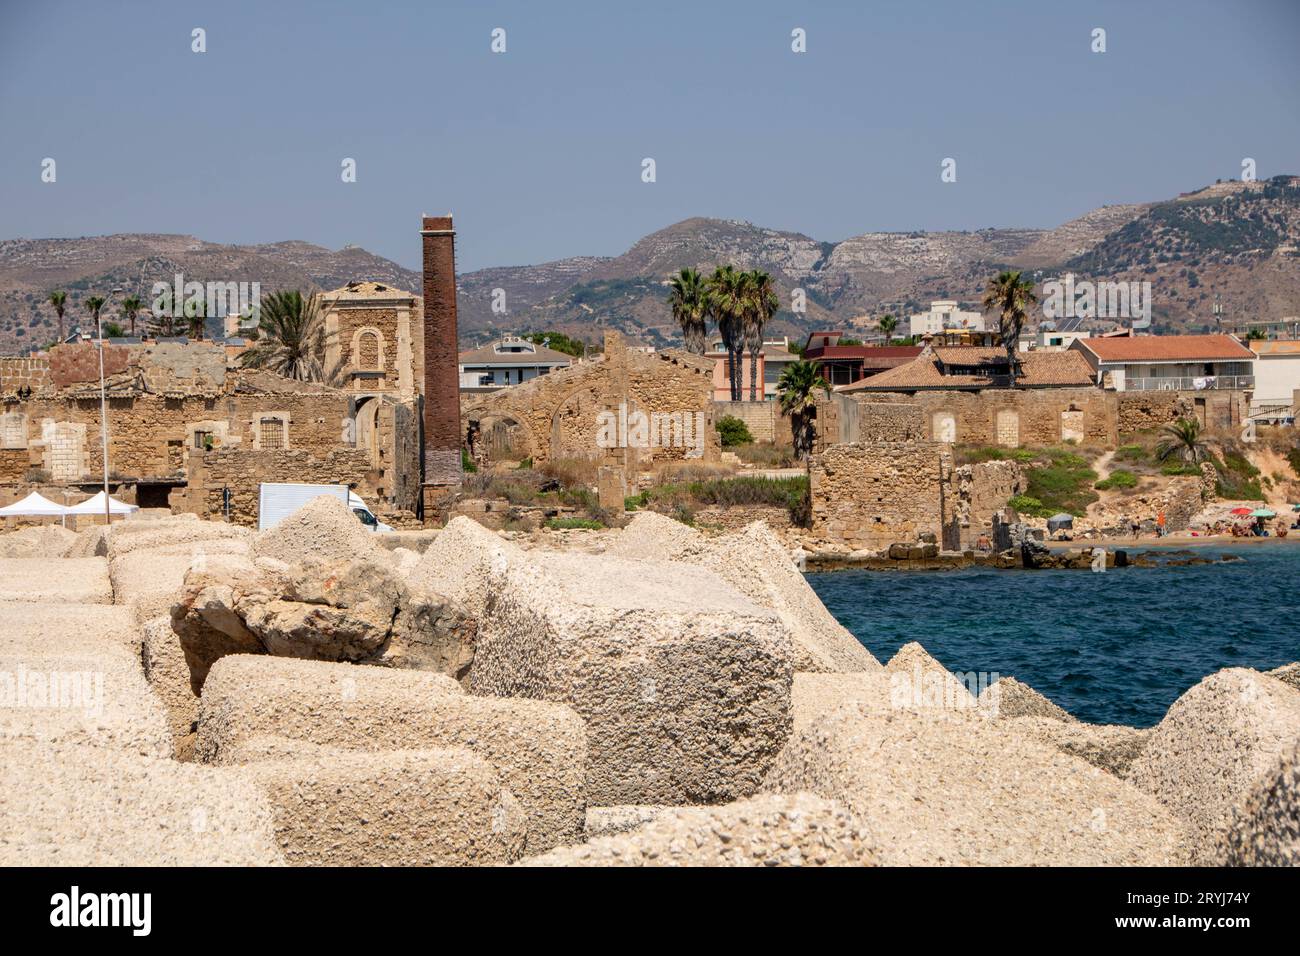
(442, 471)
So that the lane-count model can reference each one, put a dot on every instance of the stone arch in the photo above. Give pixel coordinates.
(574, 424)
(369, 350)
(501, 436)
(366, 428)
(943, 426)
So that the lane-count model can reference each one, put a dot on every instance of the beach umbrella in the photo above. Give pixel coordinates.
(1263, 513)
(1240, 511)
(1058, 521)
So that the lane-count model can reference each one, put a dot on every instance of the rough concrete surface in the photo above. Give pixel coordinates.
(538, 748)
(338, 807)
(1214, 747)
(163, 661)
(1008, 697)
(756, 564)
(683, 682)
(1266, 826)
(1111, 747)
(794, 830)
(76, 805)
(943, 787)
(55, 580)
(324, 528)
(37, 541)
(75, 679)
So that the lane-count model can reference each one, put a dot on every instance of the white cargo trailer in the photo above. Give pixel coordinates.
(278, 500)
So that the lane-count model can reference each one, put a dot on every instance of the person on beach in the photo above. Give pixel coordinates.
(1160, 524)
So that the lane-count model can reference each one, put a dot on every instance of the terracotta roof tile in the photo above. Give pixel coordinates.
(1167, 348)
(1038, 370)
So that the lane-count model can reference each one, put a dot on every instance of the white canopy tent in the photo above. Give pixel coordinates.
(35, 505)
(95, 506)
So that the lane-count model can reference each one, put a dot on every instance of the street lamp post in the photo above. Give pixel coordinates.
(103, 405)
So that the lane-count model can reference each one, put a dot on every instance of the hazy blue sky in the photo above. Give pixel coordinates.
(538, 151)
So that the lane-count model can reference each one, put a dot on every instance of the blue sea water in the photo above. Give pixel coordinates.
(1115, 648)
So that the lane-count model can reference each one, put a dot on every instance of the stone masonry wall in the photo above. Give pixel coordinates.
(242, 471)
(19, 373)
(869, 496)
(979, 492)
(1013, 417)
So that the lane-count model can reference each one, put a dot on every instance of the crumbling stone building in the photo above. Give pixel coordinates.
(190, 431)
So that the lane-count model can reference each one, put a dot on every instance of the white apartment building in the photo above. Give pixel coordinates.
(944, 315)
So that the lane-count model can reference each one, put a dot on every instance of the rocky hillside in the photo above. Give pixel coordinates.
(1238, 240)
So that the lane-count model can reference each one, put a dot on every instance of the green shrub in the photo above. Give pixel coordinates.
(636, 502)
(525, 465)
(1293, 456)
(1030, 506)
(1179, 468)
(467, 463)
(1062, 484)
(733, 431)
(1132, 453)
(1118, 479)
(788, 493)
(574, 524)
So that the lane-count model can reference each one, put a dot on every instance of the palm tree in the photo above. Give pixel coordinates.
(93, 304)
(762, 305)
(689, 300)
(1010, 295)
(1182, 438)
(164, 315)
(130, 306)
(727, 292)
(59, 300)
(797, 387)
(887, 325)
(196, 318)
(291, 340)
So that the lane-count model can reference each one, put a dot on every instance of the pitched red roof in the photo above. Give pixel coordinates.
(1168, 348)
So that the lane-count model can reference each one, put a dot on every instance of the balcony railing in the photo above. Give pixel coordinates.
(1190, 384)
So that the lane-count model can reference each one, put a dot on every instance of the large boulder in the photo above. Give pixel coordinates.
(684, 683)
(918, 679)
(320, 609)
(1287, 674)
(68, 804)
(755, 563)
(816, 695)
(1110, 747)
(1266, 826)
(938, 786)
(539, 749)
(794, 830)
(1214, 747)
(337, 807)
(148, 563)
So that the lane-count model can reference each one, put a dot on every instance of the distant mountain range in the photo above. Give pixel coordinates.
(1239, 241)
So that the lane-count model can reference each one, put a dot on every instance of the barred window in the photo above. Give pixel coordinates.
(272, 430)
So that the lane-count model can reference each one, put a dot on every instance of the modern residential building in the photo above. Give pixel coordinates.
(1277, 379)
(772, 361)
(509, 361)
(846, 364)
(1168, 362)
(945, 314)
(1048, 338)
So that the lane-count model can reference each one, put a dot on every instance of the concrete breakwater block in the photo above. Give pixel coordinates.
(683, 682)
(1266, 825)
(55, 580)
(539, 749)
(336, 807)
(77, 805)
(1213, 749)
(794, 830)
(944, 787)
(754, 562)
(75, 677)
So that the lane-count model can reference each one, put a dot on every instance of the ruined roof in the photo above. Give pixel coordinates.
(1167, 348)
(260, 381)
(929, 371)
(366, 289)
(169, 369)
(688, 359)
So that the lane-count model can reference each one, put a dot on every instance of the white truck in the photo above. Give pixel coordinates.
(277, 500)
